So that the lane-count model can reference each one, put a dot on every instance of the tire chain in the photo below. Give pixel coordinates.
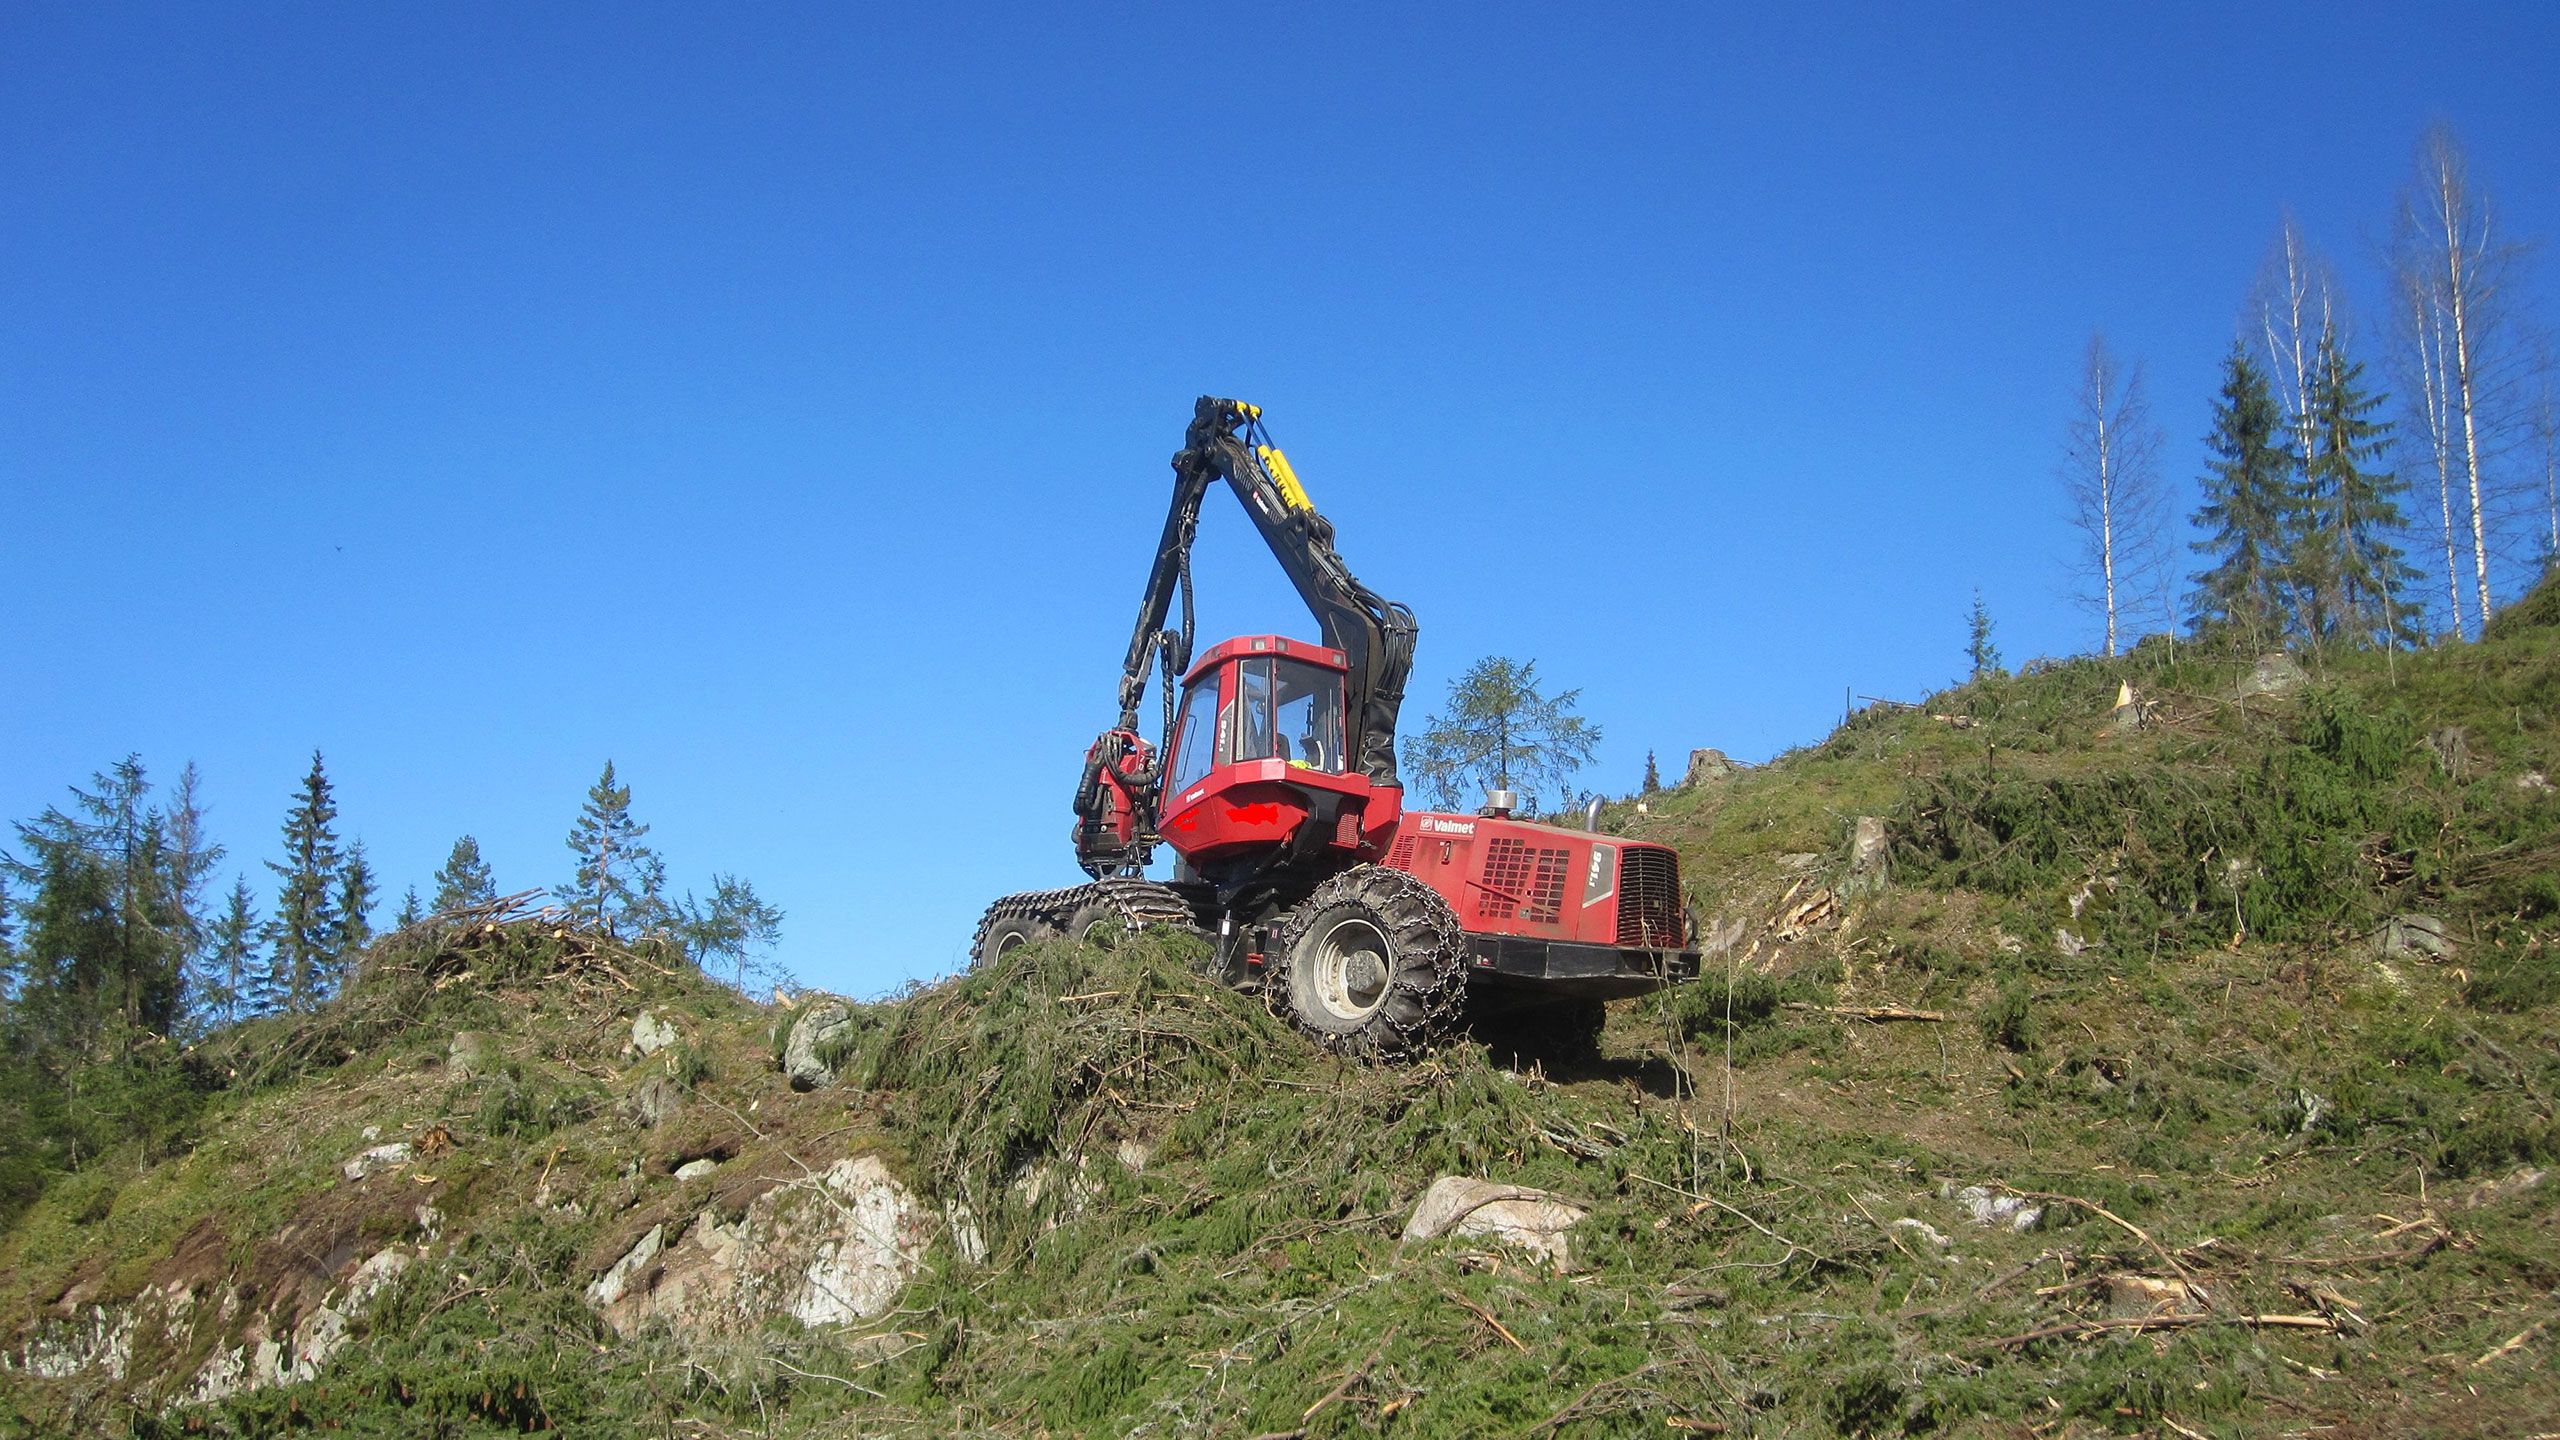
(1421, 923)
(1140, 902)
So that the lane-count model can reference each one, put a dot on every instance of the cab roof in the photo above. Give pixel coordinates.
(1307, 651)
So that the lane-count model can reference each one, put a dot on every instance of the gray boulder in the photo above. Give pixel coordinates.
(2412, 937)
(2274, 674)
(1532, 1220)
(820, 1021)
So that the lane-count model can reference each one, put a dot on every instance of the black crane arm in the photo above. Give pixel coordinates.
(1226, 442)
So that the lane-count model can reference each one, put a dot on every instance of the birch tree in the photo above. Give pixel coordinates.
(2294, 303)
(2294, 307)
(2110, 461)
(2452, 268)
(2419, 356)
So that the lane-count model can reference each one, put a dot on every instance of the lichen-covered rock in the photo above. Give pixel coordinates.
(100, 1339)
(1988, 1208)
(380, 1157)
(803, 1057)
(1527, 1219)
(263, 1359)
(2274, 674)
(653, 1032)
(826, 1250)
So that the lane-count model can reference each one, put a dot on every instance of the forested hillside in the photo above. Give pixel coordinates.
(2152, 1045)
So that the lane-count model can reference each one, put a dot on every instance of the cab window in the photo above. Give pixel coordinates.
(1194, 738)
(1253, 711)
(1307, 705)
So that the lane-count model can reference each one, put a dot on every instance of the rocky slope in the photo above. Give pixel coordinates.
(2074, 1061)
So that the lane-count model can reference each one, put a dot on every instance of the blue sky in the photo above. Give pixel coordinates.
(777, 401)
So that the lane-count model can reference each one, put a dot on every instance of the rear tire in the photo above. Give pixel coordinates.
(1371, 966)
(1005, 932)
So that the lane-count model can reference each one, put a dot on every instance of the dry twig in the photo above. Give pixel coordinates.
(1355, 1377)
(1866, 1012)
(2084, 1329)
(1486, 1316)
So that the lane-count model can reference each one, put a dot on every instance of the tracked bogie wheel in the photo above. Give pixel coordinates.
(1371, 965)
(1102, 912)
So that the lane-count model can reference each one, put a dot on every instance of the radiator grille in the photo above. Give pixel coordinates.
(1522, 881)
(1401, 856)
(1649, 910)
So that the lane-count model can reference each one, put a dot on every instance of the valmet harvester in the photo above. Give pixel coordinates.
(1367, 924)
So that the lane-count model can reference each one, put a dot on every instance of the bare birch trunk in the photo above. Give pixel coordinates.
(2107, 470)
(2440, 442)
(2464, 369)
(2454, 264)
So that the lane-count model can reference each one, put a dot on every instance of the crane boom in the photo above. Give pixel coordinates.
(1116, 800)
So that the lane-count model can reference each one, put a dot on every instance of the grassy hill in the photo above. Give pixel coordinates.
(2210, 1136)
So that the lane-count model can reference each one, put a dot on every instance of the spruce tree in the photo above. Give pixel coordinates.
(412, 910)
(192, 854)
(231, 978)
(306, 932)
(356, 887)
(2351, 510)
(1652, 774)
(616, 887)
(103, 951)
(8, 944)
(1979, 652)
(464, 881)
(2251, 503)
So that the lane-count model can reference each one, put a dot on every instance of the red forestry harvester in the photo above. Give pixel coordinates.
(1366, 923)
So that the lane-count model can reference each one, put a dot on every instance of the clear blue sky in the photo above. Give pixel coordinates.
(776, 399)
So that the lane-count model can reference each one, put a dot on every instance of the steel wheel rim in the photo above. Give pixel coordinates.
(1337, 975)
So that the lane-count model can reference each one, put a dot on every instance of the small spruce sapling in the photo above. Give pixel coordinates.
(1979, 652)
